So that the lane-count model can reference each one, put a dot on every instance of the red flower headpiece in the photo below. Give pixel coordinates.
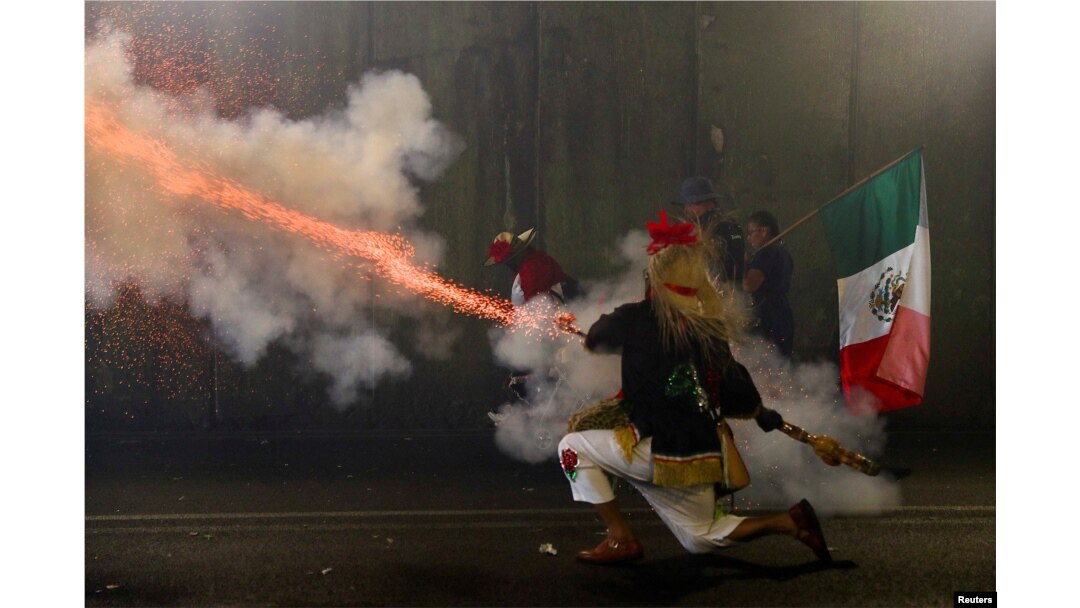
(499, 250)
(664, 234)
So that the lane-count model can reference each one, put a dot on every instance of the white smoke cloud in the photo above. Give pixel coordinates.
(355, 360)
(782, 470)
(562, 378)
(246, 315)
(434, 336)
(530, 431)
(353, 166)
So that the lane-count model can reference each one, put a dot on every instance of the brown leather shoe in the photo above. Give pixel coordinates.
(612, 551)
(808, 530)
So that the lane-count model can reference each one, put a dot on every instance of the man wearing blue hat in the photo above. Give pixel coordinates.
(702, 205)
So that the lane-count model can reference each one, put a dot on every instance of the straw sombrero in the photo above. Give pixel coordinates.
(506, 246)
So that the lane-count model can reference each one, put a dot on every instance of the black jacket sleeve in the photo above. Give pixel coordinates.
(608, 334)
(733, 391)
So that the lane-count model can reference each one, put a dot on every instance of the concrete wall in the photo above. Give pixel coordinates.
(581, 118)
(814, 96)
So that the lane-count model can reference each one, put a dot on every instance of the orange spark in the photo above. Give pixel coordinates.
(389, 254)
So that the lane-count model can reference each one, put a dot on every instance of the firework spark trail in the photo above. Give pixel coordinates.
(388, 253)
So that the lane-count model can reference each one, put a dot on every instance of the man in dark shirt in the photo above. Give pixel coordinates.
(713, 212)
(679, 383)
(767, 280)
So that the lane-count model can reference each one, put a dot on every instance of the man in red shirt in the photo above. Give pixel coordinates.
(536, 275)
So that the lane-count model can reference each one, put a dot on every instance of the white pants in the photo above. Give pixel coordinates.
(687, 512)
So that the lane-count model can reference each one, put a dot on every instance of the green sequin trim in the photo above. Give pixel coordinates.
(683, 385)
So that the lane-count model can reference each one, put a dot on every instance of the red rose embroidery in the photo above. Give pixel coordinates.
(569, 463)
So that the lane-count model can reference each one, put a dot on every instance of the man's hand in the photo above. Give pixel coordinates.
(826, 448)
(768, 420)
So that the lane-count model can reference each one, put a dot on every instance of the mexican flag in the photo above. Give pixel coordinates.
(880, 240)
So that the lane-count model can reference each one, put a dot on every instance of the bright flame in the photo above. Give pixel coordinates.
(388, 254)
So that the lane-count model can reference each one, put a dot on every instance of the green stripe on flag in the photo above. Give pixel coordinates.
(876, 219)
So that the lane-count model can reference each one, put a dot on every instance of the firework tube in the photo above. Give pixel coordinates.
(830, 451)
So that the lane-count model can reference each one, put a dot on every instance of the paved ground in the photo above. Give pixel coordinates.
(445, 519)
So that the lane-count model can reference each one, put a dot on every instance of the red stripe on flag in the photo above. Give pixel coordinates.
(859, 367)
(908, 354)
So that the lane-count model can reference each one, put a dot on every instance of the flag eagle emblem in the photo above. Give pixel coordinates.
(885, 296)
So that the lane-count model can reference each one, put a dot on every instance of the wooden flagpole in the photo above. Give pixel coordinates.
(849, 189)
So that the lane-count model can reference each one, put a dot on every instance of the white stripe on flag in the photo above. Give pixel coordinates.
(917, 289)
(857, 322)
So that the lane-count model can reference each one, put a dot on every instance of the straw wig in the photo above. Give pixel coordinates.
(687, 304)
